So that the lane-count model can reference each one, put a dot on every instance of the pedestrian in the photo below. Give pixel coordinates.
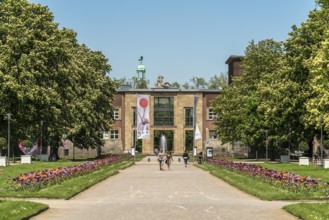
(169, 159)
(185, 157)
(160, 159)
(200, 157)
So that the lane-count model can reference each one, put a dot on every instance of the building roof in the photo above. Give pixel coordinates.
(126, 88)
(233, 57)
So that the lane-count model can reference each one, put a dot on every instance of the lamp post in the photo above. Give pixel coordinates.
(266, 134)
(321, 147)
(9, 118)
(194, 123)
(41, 123)
(64, 139)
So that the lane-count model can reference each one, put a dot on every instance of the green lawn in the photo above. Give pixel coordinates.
(309, 211)
(266, 191)
(314, 171)
(16, 210)
(64, 190)
(258, 188)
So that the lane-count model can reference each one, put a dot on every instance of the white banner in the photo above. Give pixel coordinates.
(143, 117)
(197, 135)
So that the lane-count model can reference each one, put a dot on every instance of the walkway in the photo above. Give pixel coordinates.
(144, 192)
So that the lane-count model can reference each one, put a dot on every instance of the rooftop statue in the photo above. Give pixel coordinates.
(161, 84)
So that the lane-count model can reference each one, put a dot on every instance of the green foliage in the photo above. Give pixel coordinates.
(326, 144)
(12, 210)
(27, 143)
(3, 143)
(303, 146)
(45, 75)
(309, 211)
(66, 189)
(260, 189)
(242, 115)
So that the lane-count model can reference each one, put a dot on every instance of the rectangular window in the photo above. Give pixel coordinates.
(105, 135)
(114, 134)
(116, 114)
(211, 114)
(66, 152)
(163, 111)
(189, 116)
(212, 135)
(134, 116)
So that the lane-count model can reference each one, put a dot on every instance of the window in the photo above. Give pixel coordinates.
(114, 134)
(212, 135)
(163, 111)
(105, 135)
(211, 114)
(134, 116)
(66, 152)
(116, 114)
(189, 116)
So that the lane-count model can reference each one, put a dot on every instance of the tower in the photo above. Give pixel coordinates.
(141, 81)
(141, 69)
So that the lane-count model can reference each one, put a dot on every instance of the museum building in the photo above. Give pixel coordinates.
(171, 113)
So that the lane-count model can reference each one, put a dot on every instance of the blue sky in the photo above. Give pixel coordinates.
(178, 39)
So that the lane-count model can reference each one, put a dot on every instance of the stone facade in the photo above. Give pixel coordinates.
(125, 103)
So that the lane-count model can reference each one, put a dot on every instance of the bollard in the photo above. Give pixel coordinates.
(149, 159)
(178, 159)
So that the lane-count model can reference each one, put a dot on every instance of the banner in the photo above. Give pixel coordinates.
(143, 117)
(197, 135)
(22, 147)
(35, 149)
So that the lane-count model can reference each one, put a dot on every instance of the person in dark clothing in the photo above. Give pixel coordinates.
(186, 157)
(200, 158)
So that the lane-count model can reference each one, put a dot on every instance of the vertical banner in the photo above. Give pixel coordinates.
(197, 134)
(143, 117)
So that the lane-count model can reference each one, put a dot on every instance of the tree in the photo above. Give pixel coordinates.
(186, 86)
(239, 116)
(3, 145)
(176, 85)
(218, 81)
(45, 75)
(199, 83)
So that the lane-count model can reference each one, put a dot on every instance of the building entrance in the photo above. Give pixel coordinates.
(164, 139)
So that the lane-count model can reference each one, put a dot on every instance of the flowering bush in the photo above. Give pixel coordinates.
(287, 180)
(36, 180)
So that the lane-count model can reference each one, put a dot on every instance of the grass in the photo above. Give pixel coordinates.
(15, 210)
(258, 188)
(309, 211)
(314, 171)
(64, 190)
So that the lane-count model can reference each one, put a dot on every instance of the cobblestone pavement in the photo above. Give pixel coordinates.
(144, 192)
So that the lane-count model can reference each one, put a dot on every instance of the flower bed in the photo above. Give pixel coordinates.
(287, 180)
(36, 180)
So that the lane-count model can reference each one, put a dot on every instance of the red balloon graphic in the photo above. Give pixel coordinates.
(143, 103)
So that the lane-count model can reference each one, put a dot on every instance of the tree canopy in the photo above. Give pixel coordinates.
(46, 75)
(283, 88)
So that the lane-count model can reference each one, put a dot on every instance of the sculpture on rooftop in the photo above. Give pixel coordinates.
(161, 84)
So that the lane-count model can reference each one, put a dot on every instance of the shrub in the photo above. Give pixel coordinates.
(326, 144)
(303, 146)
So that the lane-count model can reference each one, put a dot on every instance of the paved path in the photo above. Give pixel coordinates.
(144, 192)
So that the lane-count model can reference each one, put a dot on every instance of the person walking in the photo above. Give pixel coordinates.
(185, 157)
(160, 159)
(169, 159)
(200, 157)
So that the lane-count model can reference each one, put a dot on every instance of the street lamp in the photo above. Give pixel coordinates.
(321, 124)
(266, 134)
(41, 123)
(9, 118)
